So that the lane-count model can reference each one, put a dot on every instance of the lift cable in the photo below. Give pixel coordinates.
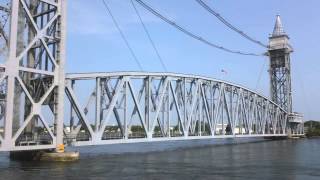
(122, 35)
(260, 74)
(199, 38)
(225, 22)
(149, 37)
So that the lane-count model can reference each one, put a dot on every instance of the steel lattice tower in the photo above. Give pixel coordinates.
(280, 68)
(34, 71)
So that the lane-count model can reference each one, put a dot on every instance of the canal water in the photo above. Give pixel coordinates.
(283, 160)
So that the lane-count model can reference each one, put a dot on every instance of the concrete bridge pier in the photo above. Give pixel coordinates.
(44, 155)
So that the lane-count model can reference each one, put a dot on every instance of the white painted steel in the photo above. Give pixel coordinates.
(198, 108)
(123, 107)
(29, 77)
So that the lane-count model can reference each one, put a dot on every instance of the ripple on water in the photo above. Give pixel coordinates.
(287, 159)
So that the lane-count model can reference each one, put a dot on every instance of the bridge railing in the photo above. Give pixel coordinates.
(122, 107)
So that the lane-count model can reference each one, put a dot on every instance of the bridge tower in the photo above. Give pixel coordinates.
(280, 68)
(280, 74)
(34, 75)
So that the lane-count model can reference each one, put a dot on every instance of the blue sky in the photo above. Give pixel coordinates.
(95, 45)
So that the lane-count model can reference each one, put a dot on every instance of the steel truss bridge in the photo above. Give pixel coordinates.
(42, 107)
(159, 106)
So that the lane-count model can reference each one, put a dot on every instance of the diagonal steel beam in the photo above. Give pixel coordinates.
(111, 106)
(78, 110)
(162, 93)
(138, 108)
(115, 111)
(177, 106)
(206, 108)
(194, 102)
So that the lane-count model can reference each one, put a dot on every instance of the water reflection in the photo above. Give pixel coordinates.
(289, 159)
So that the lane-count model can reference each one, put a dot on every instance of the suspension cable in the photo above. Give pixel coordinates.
(225, 22)
(122, 35)
(260, 73)
(199, 38)
(149, 37)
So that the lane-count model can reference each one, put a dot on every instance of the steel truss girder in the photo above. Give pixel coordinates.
(177, 107)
